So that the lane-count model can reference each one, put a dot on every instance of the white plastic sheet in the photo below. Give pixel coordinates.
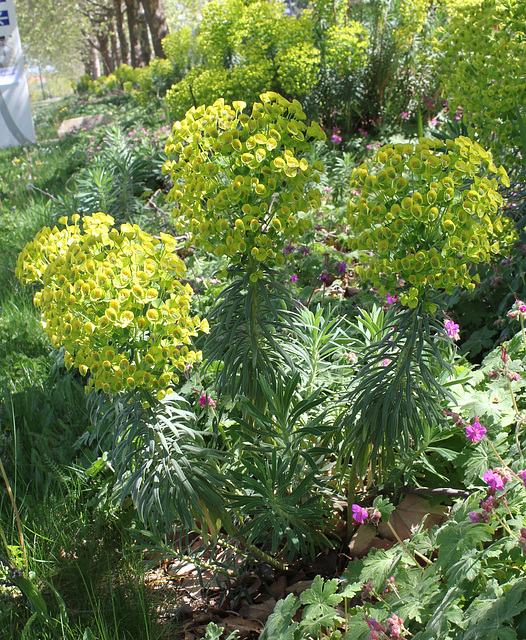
(16, 123)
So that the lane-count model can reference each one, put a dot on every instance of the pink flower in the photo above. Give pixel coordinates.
(359, 514)
(522, 474)
(397, 627)
(205, 401)
(294, 278)
(476, 517)
(391, 299)
(475, 432)
(495, 479)
(452, 329)
(518, 310)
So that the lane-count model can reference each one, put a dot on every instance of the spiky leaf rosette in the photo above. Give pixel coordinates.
(113, 299)
(242, 183)
(423, 213)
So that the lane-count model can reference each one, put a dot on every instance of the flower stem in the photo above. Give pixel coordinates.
(513, 397)
(404, 547)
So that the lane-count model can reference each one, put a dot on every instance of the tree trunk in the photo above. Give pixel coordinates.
(90, 59)
(115, 48)
(103, 41)
(142, 27)
(156, 19)
(135, 44)
(119, 25)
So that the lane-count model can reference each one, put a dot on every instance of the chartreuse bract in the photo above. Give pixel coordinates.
(242, 183)
(423, 213)
(114, 300)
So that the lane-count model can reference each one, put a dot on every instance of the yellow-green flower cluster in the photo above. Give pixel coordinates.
(114, 300)
(298, 68)
(411, 18)
(423, 213)
(346, 47)
(242, 183)
(484, 71)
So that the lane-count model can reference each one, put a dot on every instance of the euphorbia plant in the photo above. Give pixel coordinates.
(482, 71)
(422, 215)
(243, 187)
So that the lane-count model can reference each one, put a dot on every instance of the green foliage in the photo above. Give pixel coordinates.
(114, 181)
(161, 460)
(346, 48)
(245, 49)
(177, 47)
(455, 598)
(396, 392)
(376, 63)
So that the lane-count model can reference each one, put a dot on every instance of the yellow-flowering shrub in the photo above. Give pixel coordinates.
(411, 17)
(423, 212)
(298, 68)
(242, 183)
(484, 71)
(113, 299)
(346, 47)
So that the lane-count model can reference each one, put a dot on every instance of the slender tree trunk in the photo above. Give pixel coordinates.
(103, 41)
(156, 19)
(119, 25)
(95, 63)
(135, 44)
(142, 27)
(115, 49)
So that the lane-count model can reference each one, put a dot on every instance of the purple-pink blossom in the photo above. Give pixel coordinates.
(452, 329)
(397, 628)
(335, 135)
(495, 479)
(522, 474)
(476, 517)
(359, 514)
(391, 299)
(205, 401)
(294, 278)
(475, 432)
(518, 310)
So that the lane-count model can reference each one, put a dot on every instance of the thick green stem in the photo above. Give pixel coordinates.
(233, 533)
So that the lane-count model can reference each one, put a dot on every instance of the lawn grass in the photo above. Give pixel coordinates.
(78, 548)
